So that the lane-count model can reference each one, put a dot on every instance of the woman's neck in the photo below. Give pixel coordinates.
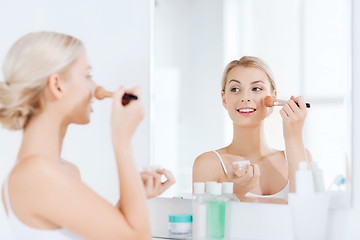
(43, 135)
(249, 142)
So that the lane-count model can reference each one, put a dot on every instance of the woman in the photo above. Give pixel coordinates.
(271, 173)
(47, 87)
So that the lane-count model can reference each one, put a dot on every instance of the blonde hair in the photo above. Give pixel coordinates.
(248, 61)
(27, 67)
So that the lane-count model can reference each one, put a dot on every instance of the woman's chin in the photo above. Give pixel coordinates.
(83, 121)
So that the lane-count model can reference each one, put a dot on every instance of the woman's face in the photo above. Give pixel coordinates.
(244, 95)
(79, 90)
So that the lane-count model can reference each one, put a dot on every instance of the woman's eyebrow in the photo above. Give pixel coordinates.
(258, 81)
(234, 81)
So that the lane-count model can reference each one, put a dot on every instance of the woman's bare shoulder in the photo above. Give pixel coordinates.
(31, 165)
(36, 168)
(206, 158)
(207, 167)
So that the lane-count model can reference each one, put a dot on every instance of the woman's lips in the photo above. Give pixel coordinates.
(246, 111)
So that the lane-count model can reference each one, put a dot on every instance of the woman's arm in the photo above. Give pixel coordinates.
(124, 122)
(293, 121)
(61, 198)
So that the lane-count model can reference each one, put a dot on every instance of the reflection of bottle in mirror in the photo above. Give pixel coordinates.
(199, 211)
(318, 177)
(304, 179)
(304, 203)
(215, 212)
(228, 192)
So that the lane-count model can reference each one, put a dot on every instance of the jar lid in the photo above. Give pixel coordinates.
(180, 218)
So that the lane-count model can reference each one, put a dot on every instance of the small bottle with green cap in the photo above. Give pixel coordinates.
(215, 212)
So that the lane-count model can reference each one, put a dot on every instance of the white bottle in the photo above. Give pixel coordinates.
(208, 185)
(309, 211)
(304, 179)
(318, 177)
(199, 211)
(228, 192)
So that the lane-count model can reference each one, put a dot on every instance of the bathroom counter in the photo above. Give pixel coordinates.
(245, 221)
(248, 221)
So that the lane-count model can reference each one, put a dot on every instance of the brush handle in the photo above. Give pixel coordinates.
(129, 97)
(279, 102)
(125, 97)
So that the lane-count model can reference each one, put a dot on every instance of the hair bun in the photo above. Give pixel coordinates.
(11, 117)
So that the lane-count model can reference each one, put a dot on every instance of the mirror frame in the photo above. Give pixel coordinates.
(355, 106)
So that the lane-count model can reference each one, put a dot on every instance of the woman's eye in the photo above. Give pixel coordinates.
(89, 77)
(255, 89)
(235, 89)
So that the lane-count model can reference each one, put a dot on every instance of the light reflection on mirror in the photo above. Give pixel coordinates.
(307, 46)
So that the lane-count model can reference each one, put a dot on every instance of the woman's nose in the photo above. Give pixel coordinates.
(245, 100)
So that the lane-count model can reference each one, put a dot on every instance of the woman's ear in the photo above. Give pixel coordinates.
(223, 99)
(54, 86)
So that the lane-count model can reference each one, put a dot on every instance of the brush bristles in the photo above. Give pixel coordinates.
(99, 93)
(269, 101)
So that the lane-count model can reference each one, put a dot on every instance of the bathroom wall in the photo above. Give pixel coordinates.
(116, 35)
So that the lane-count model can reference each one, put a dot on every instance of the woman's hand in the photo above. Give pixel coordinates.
(152, 182)
(293, 117)
(125, 118)
(244, 180)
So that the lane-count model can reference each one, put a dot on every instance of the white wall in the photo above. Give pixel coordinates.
(189, 42)
(116, 35)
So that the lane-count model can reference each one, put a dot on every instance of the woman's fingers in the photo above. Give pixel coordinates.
(148, 181)
(301, 101)
(170, 180)
(283, 114)
(153, 184)
(236, 172)
(256, 170)
(117, 95)
(250, 171)
(294, 107)
(289, 112)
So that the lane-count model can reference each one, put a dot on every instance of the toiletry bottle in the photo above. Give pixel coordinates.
(309, 210)
(304, 179)
(228, 192)
(318, 177)
(215, 212)
(199, 211)
(208, 184)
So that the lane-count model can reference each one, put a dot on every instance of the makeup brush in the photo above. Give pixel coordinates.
(101, 93)
(271, 102)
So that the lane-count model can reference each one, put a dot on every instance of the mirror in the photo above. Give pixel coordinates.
(305, 43)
